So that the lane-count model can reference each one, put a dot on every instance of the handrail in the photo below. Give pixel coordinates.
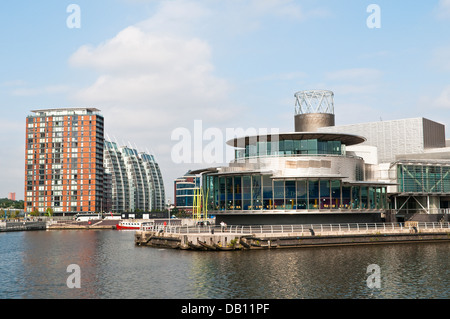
(437, 211)
(299, 228)
(252, 158)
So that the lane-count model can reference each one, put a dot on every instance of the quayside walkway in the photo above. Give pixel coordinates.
(21, 226)
(288, 236)
(90, 224)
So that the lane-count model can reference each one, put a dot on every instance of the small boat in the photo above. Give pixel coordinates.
(127, 225)
(220, 247)
(205, 245)
(194, 246)
(244, 243)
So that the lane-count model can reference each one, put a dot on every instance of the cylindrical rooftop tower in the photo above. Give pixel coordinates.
(313, 109)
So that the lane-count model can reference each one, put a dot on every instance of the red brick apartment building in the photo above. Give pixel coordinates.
(64, 161)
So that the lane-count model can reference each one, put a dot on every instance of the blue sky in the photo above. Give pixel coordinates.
(153, 66)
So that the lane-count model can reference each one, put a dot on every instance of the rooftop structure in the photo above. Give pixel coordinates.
(313, 109)
(314, 101)
(66, 111)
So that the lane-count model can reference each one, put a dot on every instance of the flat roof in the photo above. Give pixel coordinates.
(92, 109)
(347, 139)
(364, 183)
(202, 170)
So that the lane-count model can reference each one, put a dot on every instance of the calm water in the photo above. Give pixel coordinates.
(34, 265)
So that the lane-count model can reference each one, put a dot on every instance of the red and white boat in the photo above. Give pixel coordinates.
(127, 225)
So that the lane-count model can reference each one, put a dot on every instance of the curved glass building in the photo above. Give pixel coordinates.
(136, 180)
(298, 177)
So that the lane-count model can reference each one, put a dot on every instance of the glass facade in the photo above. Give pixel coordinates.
(185, 191)
(136, 180)
(291, 147)
(423, 178)
(261, 192)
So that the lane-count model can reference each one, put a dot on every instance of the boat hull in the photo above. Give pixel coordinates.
(128, 226)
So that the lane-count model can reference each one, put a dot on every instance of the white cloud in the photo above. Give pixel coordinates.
(283, 76)
(435, 101)
(286, 9)
(160, 78)
(177, 17)
(50, 89)
(356, 74)
(164, 79)
(354, 81)
(13, 83)
(443, 9)
(443, 99)
(441, 58)
(356, 112)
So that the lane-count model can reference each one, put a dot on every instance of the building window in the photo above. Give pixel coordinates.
(423, 178)
(267, 192)
(313, 194)
(290, 194)
(302, 194)
(335, 194)
(278, 194)
(261, 192)
(324, 194)
(256, 192)
(246, 192)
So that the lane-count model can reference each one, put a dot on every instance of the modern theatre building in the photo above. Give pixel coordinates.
(396, 170)
(304, 176)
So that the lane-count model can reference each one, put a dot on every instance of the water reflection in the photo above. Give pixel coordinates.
(34, 266)
(407, 271)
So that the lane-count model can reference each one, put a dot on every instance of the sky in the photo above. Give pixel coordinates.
(167, 75)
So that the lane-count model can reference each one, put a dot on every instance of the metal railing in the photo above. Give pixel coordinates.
(255, 158)
(411, 211)
(301, 228)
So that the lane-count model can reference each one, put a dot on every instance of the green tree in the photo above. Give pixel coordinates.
(7, 203)
(179, 213)
(49, 212)
(35, 212)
